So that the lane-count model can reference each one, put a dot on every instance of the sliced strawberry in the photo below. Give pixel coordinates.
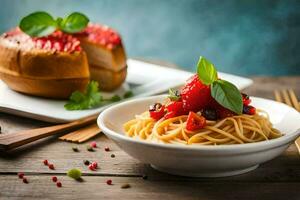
(170, 115)
(195, 122)
(195, 95)
(175, 106)
(246, 99)
(249, 110)
(157, 111)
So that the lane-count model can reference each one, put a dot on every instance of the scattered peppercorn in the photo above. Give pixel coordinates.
(51, 166)
(125, 186)
(45, 162)
(95, 165)
(58, 184)
(109, 182)
(54, 178)
(75, 149)
(91, 167)
(86, 162)
(145, 177)
(74, 173)
(25, 180)
(93, 144)
(89, 148)
(20, 175)
(112, 155)
(106, 149)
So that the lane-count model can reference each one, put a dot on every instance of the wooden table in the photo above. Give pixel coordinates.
(277, 179)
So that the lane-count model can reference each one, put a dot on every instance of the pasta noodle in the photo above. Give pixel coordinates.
(238, 129)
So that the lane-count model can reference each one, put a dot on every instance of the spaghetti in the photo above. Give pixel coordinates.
(237, 129)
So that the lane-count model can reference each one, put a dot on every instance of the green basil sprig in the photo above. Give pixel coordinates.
(224, 92)
(39, 24)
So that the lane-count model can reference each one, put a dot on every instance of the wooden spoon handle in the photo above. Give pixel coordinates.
(14, 140)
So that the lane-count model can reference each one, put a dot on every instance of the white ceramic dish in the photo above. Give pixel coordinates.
(201, 161)
(143, 79)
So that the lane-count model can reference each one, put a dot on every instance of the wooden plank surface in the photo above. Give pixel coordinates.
(273, 180)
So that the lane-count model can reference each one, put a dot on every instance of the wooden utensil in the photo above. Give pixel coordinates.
(289, 97)
(83, 134)
(14, 140)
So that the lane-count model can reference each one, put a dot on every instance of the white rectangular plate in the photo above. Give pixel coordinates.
(143, 79)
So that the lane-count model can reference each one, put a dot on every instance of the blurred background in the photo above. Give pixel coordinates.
(245, 37)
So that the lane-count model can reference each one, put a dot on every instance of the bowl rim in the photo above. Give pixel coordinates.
(256, 146)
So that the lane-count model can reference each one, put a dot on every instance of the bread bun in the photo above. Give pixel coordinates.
(59, 64)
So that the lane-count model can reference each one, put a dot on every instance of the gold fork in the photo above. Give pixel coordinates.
(289, 97)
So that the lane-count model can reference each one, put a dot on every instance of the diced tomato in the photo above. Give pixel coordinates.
(195, 122)
(176, 107)
(157, 111)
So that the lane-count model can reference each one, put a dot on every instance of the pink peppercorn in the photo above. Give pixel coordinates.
(45, 162)
(25, 180)
(93, 144)
(20, 175)
(54, 178)
(58, 184)
(109, 182)
(51, 166)
(106, 149)
(95, 165)
(91, 167)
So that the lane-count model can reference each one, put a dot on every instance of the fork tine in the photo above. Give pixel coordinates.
(294, 99)
(286, 98)
(278, 96)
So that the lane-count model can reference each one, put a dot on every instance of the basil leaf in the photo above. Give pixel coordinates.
(226, 94)
(38, 24)
(73, 23)
(207, 72)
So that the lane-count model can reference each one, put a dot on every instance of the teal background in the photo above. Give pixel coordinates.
(238, 36)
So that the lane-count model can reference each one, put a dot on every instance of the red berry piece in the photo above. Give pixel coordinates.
(54, 178)
(94, 165)
(106, 149)
(176, 107)
(25, 180)
(91, 167)
(58, 184)
(51, 166)
(93, 144)
(109, 182)
(157, 111)
(195, 122)
(249, 110)
(195, 95)
(45, 162)
(20, 175)
(246, 99)
(170, 115)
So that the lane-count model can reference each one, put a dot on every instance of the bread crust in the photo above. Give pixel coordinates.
(39, 72)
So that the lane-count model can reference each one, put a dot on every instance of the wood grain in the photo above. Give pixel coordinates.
(276, 179)
(14, 140)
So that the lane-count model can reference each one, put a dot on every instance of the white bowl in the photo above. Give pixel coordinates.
(201, 161)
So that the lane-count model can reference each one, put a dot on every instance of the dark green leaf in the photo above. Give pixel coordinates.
(173, 95)
(89, 99)
(115, 98)
(128, 94)
(226, 94)
(207, 72)
(38, 24)
(74, 23)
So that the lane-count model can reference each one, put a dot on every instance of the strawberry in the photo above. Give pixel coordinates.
(195, 95)
(246, 99)
(175, 106)
(195, 122)
(157, 111)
